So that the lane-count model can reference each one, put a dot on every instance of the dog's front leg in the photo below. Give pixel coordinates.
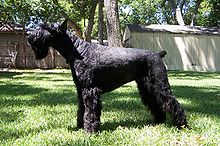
(81, 110)
(92, 103)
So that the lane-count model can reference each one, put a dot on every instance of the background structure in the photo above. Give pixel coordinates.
(188, 48)
(16, 53)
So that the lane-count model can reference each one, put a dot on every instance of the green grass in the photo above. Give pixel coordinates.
(39, 108)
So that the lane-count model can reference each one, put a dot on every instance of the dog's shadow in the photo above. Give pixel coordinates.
(128, 103)
(111, 126)
(124, 103)
(138, 123)
(114, 125)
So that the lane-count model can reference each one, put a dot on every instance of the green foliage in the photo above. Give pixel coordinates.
(139, 12)
(39, 108)
(15, 11)
(45, 11)
(214, 16)
(28, 12)
(204, 14)
(160, 12)
(31, 12)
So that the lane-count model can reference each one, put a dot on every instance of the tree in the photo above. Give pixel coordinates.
(15, 13)
(112, 18)
(89, 27)
(196, 10)
(140, 12)
(214, 17)
(71, 21)
(101, 23)
(178, 7)
(84, 19)
(177, 10)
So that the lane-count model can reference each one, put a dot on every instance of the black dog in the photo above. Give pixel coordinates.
(99, 69)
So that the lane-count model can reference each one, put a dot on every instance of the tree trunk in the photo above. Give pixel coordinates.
(179, 17)
(173, 5)
(198, 2)
(101, 23)
(89, 27)
(177, 11)
(113, 30)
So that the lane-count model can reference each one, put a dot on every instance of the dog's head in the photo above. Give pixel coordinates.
(46, 36)
(39, 40)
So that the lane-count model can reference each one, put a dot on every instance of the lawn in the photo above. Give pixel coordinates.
(38, 107)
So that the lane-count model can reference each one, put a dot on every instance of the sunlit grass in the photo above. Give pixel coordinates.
(39, 108)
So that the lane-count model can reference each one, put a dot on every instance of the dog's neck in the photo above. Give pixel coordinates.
(69, 53)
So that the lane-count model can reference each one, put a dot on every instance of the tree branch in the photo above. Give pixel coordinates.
(198, 2)
(89, 28)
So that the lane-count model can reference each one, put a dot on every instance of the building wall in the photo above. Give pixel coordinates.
(15, 54)
(186, 52)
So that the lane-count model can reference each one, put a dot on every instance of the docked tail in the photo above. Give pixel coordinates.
(162, 53)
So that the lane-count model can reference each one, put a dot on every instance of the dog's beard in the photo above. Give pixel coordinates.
(39, 44)
(40, 52)
(41, 56)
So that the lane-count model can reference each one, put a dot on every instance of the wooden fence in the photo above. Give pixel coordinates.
(21, 56)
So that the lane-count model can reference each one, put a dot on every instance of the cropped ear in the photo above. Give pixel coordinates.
(63, 26)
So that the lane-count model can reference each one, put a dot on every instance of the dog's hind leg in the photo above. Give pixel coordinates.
(150, 101)
(92, 102)
(161, 90)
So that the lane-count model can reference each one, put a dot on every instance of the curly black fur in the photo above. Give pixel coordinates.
(99, 69)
